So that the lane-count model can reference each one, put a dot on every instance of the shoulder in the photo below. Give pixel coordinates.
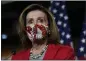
(64, 52)
(20, 55)
(61, 47)
(65, 48)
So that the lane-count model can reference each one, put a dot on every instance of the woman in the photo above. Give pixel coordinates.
(40, 37)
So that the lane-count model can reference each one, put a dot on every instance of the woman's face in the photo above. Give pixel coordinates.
(37, 17)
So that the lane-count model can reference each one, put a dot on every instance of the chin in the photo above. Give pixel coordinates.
(40, 41)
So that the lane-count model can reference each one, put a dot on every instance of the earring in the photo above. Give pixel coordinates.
(49, 32)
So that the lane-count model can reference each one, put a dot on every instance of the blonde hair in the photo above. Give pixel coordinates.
(54, 34)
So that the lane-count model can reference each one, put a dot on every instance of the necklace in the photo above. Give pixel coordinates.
(38, 55)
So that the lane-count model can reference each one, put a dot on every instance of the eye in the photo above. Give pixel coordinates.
(41, 20)
(30, 21)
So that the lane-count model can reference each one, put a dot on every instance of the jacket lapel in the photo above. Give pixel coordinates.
(26, 55)
(51, 52)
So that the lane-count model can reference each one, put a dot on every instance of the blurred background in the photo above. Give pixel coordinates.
(10, 11)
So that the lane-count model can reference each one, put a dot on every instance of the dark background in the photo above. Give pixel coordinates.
(10, 12)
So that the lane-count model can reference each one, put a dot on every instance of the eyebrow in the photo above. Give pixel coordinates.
(32, 18)
(29, 19)
(40, 17)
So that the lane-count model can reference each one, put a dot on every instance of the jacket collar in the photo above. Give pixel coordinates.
(49, 54)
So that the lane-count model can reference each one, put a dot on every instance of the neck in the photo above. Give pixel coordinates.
(37, 47)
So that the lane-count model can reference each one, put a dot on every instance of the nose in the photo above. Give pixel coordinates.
(35, 22)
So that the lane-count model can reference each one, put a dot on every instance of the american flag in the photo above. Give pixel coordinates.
(58, 9)
(81, 51)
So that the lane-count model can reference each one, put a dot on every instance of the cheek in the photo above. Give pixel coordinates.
(30, 25)
(46, 23)
(30, 36)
